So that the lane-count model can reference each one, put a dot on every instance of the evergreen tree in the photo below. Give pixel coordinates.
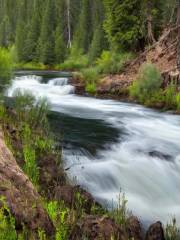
(60, 47)
(83, 35)
(46, 40)
(5, 32)
(123, 23)
(21, 33)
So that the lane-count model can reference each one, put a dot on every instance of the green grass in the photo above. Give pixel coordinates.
(30, 66)
(5, 68)
(7, 222)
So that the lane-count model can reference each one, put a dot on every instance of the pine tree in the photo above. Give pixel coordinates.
(21, 33)
(46, 40)
(60, 47)
(33, 34)
(5, 32)
(123, 23)
(83, 35)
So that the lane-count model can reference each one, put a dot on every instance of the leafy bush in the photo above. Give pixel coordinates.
(5, 68)
(148, 81)
(111, 62)
(178, 101)
(91, 88)
(90, 77)
(170, 96)
(75, 61)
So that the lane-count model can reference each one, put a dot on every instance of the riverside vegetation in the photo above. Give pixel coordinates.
(45, 35)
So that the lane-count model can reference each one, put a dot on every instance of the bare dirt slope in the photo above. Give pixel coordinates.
(162, 54)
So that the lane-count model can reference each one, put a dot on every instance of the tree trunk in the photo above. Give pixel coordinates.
(150, 36)
(69, 24)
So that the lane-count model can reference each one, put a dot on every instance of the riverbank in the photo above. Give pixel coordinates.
(72, 211)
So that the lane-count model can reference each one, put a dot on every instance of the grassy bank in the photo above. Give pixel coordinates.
(28, 136)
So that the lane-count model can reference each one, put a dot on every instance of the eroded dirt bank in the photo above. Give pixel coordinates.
(26, 206)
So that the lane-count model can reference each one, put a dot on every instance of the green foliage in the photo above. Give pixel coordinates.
(178, 101)
(172, 232)
(46, 40)
(112, 62)
(120, 212)
(5, 68)
(58, 214)
(30, 166)
(91, 88)
(170, 96)
(75, 61)
(123, 23)
(90, 77)
(30, 110)
(7, 222)
(148, 81)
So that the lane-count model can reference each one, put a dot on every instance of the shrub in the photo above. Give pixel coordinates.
(157, 99)
(148, 81)
(91, 88)
(178, 101)
(5, 69)
(170, 96)
(90, 77)
(75, 61)
(111, 62)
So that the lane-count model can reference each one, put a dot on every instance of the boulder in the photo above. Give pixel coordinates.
(134, 228)
(155, 232)
(96, 228)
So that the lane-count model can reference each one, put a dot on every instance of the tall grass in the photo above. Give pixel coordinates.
(7, 222)
(5, 68)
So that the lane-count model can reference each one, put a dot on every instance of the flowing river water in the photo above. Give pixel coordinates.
(110, 146)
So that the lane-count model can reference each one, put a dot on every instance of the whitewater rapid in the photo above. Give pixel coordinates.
(145, 161)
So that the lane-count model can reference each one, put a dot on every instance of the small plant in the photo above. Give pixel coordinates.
(170, 96)
(120, 212)
(5, 68)
(178, 101)
(171, 231)
(148, 81)
(7, 222)
(30, 167)
(41, 234)
(112, 62)
(91, 88)
(75, 61)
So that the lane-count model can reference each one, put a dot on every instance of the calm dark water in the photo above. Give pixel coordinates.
(111, 145)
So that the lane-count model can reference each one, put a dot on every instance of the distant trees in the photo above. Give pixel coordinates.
(45, 30)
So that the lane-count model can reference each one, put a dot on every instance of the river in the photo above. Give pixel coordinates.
(111, 146)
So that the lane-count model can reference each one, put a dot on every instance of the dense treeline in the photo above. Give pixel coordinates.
(46, 31)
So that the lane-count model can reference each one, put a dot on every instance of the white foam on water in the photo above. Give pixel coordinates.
(145, 164)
